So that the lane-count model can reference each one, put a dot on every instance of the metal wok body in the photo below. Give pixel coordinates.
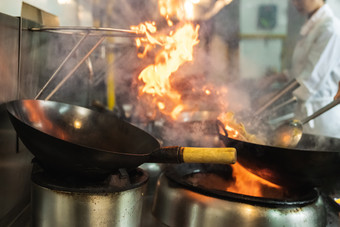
(72, 139)
(314, 162)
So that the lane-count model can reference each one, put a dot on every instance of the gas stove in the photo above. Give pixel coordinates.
(157, 195)
(197, 195)
(116, 200)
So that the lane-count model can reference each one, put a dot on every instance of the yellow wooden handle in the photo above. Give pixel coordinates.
(223, 155)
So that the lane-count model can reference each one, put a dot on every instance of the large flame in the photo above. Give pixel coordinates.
(185, 9)
(182, 9)
(173, 49)
(176, 49)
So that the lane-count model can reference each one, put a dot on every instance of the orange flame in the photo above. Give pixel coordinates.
(237, 130)
(182, 9)
(249, 184)
(168, 8)
(176, 49)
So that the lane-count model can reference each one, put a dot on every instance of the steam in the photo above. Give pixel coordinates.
(78, 89)
(209, 71)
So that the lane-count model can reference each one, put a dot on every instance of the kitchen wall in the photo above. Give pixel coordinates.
(263, 30)
(14, 159)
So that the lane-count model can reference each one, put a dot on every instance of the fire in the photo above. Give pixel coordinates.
(237, 130)
(240, 182)
(183, 9)
(168, 8)
(248, 183)
(176, 48)
(147, 28)
(173, 47)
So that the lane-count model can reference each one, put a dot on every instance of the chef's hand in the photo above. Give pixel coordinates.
(338, 93)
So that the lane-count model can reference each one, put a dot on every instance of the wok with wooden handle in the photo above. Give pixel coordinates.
(71, 139)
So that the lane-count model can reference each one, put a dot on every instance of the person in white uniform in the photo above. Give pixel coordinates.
(316, 66)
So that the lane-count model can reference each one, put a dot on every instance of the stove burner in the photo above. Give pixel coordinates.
(183, 200)
(214, 180)
(114, 201)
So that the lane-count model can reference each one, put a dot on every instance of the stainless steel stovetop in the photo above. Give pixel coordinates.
(148, 218)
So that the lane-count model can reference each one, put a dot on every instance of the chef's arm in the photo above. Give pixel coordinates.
(322, 58)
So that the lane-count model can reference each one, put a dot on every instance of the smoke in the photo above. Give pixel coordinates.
(212, 68)
(48, 57)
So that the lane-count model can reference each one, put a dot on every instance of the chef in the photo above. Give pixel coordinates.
(316, 66)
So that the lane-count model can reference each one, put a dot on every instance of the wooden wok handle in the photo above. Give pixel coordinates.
(223, 155)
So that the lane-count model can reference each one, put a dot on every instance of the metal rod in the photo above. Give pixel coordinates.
(321, 111)
(292, 85)
(75, 68)
(61, 65)
(80, 28)
(289, 101)
(18, 93)
(90, 82)
(19, 59)
(92, 31)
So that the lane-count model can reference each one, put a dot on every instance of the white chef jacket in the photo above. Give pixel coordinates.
(316, 66)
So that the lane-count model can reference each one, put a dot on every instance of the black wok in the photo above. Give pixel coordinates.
(314, 162)
(75, 140)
